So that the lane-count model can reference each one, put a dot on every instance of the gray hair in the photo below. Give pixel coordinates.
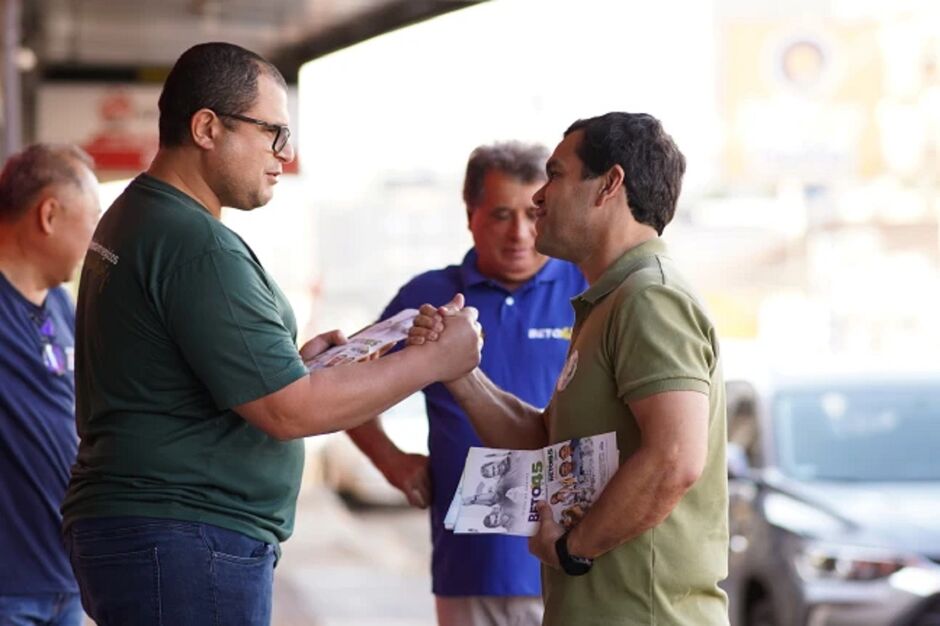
(513, 158)
(27, 173)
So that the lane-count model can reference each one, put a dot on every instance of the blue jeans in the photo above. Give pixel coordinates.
(41, 609)
(136, 571)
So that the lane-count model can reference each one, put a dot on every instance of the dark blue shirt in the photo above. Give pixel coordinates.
(526, 336)
(38, 443)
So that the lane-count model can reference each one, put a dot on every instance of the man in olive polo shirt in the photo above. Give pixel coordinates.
(644, 362)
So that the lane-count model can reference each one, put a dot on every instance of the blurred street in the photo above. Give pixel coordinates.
(354, 568)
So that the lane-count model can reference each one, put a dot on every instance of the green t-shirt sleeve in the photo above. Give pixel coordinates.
(661, 340)
(230, 327)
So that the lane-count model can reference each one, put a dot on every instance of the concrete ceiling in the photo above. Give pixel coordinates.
(124, 39)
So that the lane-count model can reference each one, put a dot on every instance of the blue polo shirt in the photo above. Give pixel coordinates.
(38, 443)
(526, 336)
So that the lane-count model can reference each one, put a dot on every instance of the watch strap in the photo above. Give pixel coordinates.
(572, 565)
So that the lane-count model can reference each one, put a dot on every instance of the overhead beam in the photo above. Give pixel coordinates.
(386, 18)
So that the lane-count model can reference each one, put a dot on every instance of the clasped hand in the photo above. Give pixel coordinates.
(431, 321)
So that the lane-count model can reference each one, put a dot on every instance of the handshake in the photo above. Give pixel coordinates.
(443, 343)
(453, 333)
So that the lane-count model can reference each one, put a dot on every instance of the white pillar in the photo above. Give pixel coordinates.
(12, 97)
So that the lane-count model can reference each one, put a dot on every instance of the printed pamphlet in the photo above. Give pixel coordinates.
(378, 338)
(499, 489)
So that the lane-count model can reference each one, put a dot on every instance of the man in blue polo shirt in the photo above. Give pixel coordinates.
(523, 299)
(48, 209)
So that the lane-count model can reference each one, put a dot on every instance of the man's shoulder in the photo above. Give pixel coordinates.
(151, 214)
(656, 296)
(659, 277)
(430, 286)
(441, 277)
(60, 299)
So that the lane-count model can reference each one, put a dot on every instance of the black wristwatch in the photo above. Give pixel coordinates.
(572, 565)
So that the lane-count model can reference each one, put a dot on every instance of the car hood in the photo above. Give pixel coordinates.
(902, 516)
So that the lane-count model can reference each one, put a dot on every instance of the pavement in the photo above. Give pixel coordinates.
(346, 567)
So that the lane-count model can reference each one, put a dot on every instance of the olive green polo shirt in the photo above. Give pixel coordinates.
(639, 331)
(178, 322)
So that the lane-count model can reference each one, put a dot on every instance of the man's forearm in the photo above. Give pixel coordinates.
(642, 494)
(644, 491)
(340, 398)
(372, 440)
(500, 419)
(407, 472)
(345, 397)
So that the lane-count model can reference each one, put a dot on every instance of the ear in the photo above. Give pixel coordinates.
(48, 210)
(204, 128)
(612, 185)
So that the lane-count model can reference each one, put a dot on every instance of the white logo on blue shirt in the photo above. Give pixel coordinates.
(551, 333)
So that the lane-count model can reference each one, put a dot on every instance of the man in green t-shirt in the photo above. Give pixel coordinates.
(191, 394)
(644, 362)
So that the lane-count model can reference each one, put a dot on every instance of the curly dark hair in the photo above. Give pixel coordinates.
(652, 163)
(218, 76)
(523, 161)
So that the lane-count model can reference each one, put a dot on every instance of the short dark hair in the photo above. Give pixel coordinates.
(525, 161)
(218, 76)
(27, 173)
(652, 163)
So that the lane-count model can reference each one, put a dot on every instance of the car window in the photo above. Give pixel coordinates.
(872, 433)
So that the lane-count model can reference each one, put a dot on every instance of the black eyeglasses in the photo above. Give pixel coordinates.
(281, 133)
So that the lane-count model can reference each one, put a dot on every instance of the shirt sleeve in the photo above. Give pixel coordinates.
(661, 340)
(230, 327)
(396, 305)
